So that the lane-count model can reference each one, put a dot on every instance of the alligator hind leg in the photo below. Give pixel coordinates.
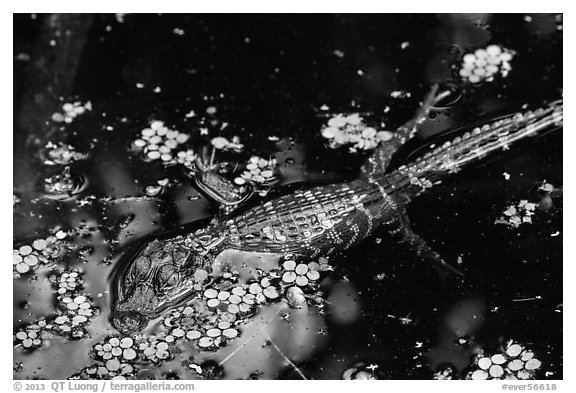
(206, 176)
(399, 227)
(379, 160)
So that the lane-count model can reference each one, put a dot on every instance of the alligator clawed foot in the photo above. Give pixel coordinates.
(206, 173)
(399, 227)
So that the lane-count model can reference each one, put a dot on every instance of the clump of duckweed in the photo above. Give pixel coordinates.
(75, 314)
(207, 327)
(116, 358)
(512, 362)
(32, 336)
(485, 64)
(186, 157)
(259, 171)
(155, 350)
(264, 290)
(546, 187)
(61, 154)
(29, 257)
(116, 348)
(518, 214)
(68, 281)
(445, 372)
(215, 317)
(70, 111)
(113, 369)
(221, 143)
(75, 309)
(301, 274)
(158, 142)
(235, 300)
(351, 130)
(217, 335)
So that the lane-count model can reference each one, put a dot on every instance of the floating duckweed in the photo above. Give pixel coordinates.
(300, 274)
(61, 154)
(155, 350)
(513, 362)
(76, 309)
(259, 171)
(515, 365)
(233, 302)
(112, 355)
(479, 375)
(193, 335)
(271, 292)
(161, 143)
(533, 364)
(28, 258)
(527, 355)
(518, 214)
(514, 350)
(222, 143)
(351, 130)
(210, 293)
(205, 342)
(211, 320)
(496, 371)
(484, 64)
(186, 157)
(30, 337)
(71, 111)
(484, 363)
(68, 281)
(546, 187)
(498, 359)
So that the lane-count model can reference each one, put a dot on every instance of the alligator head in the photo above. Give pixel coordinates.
(162, 275)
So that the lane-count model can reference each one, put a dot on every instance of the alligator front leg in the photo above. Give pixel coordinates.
(399, 227)
(379, 160)
(218, 188)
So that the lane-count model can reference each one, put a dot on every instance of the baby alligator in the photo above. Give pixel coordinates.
(320, 220)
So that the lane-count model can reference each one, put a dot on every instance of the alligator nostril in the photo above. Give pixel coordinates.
(128, 321)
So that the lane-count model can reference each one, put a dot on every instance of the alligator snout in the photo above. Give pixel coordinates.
(128, 321)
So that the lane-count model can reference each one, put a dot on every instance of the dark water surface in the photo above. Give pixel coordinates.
(269, 75)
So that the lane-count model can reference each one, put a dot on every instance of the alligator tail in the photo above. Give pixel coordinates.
(476, 143)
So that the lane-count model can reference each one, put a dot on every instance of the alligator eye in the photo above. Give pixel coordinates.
(205, 239)
(141, 267)
(166, 277)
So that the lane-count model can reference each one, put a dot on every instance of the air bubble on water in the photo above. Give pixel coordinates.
(126, 220)
(85, 251)
(451, 93)
(63, 185)
(453, 50)
(153, 190)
